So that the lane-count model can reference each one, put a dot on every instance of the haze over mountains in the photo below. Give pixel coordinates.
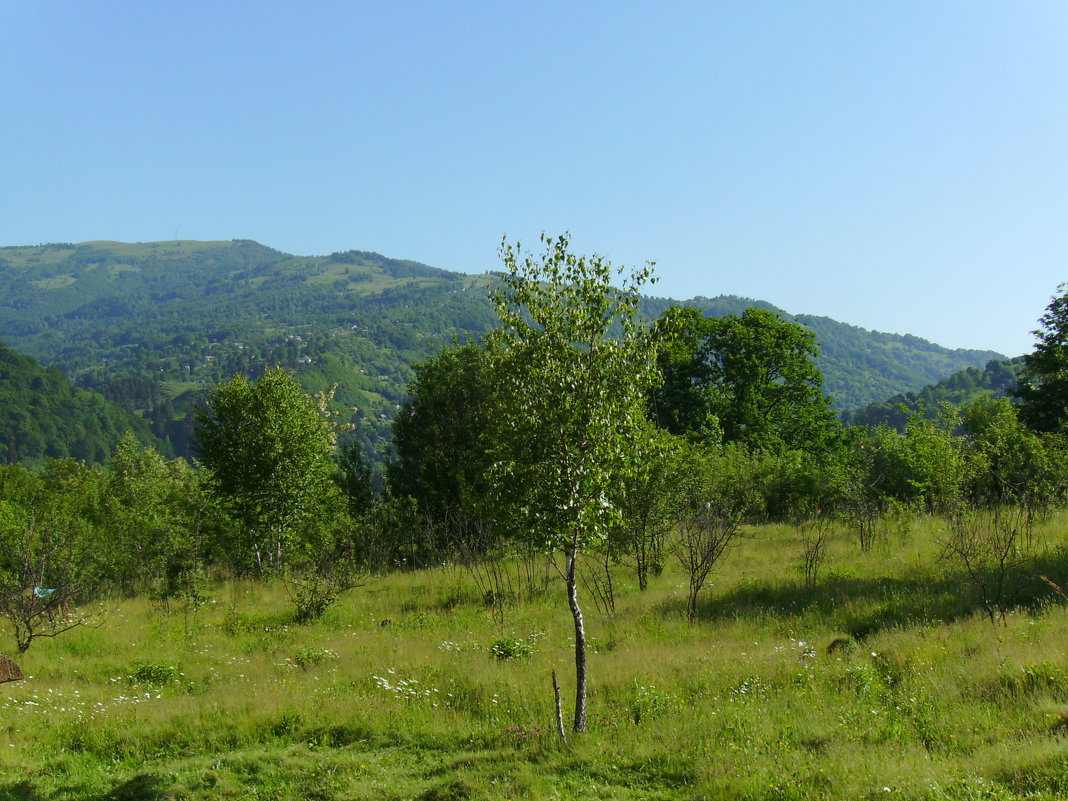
(153, 326)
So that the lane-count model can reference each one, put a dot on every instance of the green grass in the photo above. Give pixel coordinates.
(57, 282)
(927, 700)
(174, 389)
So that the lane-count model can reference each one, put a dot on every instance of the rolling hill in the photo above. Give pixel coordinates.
(153, 326)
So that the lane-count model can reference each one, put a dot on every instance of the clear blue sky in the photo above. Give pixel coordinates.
(900, 166)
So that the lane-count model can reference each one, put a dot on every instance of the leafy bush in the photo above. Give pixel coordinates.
(512, 647)
(650, 702)
(154, 673)
(308, 656)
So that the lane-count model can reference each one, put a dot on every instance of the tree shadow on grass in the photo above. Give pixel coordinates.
(861, 607)
(142, 787)
(20, 791)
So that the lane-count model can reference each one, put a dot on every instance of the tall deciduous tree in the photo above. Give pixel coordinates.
(749, 378)
(161, 523)
(1011, 463)
(573, 363)
(353, 477)
(680, 403)
(1043, 383)
(268, 447)
(441, 457)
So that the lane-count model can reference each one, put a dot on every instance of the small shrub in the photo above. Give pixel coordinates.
(237, 623)
(512, 647)
(838, 575)
(308, 656)
(154, 673)
(192, 590)
(650, 702)
(314, 591)
(311, 599)
(287, 725)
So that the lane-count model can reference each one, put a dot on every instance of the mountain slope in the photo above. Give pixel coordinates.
(191, 314)
(996, 380)
(155, 325)
(43, 415)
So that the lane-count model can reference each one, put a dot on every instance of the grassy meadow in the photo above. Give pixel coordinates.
(884, 679)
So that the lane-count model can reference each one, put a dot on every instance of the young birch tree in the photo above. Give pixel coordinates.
(574, 363)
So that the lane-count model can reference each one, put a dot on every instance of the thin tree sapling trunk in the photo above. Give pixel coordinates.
(580, 643)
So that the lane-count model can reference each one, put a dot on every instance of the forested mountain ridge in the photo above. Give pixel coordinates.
(997, 380)
(43, 415)
(153, 326)
(859, 364)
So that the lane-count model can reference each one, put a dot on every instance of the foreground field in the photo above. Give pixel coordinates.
(881, 681)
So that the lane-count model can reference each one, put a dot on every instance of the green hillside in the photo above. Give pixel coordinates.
(153, 326)
(43, 415)
(996, 380)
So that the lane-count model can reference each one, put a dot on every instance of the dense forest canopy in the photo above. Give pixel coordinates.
(997, 380)
(43, 415)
